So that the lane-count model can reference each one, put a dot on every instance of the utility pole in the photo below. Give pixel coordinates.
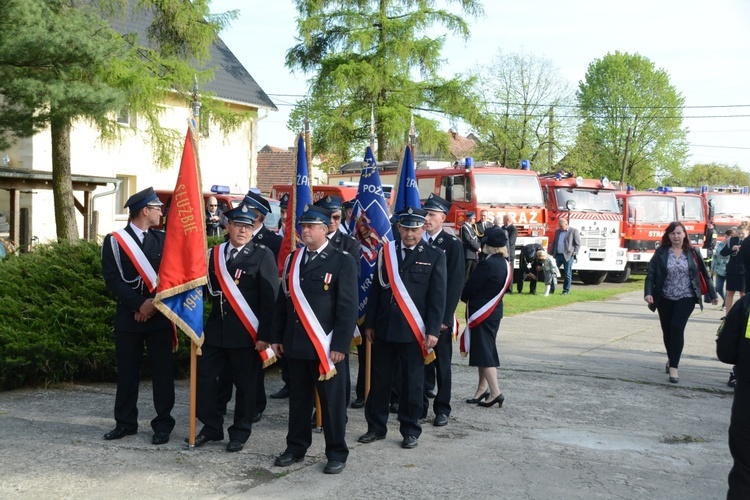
(625, 156)
(551, 138)
(372, 129)
(308, 149)
(413, 138)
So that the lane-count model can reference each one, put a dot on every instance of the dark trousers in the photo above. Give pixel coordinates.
(567, 266)
(242, 366)
(225, 387)
(739, 443)
(129, 354)
(384, 357)
(673, 316)
(303, 380)
(532, 282)
(470, 265)
(442, 371)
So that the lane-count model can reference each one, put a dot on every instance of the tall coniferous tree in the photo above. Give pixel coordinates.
(381, 52)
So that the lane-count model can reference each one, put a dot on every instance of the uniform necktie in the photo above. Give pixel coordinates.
(232, 255)
(407, 252)
(143, 237)
(311, 255)
(429, 240)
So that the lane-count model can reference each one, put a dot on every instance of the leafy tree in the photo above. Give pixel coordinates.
(525, 110)
(710, 174)
(379, 52)
(632, 121)
(66, 60)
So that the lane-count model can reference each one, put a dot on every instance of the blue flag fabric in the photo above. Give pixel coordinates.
(300, 196)
(407, 194)
(371, 226)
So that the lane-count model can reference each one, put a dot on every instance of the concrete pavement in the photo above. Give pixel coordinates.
(589, 413)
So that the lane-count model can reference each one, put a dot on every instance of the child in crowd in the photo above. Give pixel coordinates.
(551, 271)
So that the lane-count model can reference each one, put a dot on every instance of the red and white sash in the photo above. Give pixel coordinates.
(239, 305)
(321, 342)
(405, 302)
(137, 257)
(482, 313)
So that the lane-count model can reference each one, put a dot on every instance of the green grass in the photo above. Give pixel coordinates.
(522, 303)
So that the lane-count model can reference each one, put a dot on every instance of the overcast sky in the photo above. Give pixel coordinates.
(703, 46)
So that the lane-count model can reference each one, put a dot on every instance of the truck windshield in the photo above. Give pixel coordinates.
(500, 189)
(649, 209)
(690, 208)
(587, 200)
(737, 205)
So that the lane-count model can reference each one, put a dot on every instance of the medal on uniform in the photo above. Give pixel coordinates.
(327, 280)
(237, 275)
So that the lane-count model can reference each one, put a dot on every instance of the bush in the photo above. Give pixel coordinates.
(58, 319)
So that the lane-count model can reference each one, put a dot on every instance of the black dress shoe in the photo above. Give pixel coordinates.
(334, 467)
(286, 459)
(370, 437)
(119, 433)
(409, 442)
(282, 393)
(256, 417)
(473, 401)
(160, 438)
(441, 419)
(235, 445)
(393, 408)
(358, 403)
(202, 439)
(430, 393)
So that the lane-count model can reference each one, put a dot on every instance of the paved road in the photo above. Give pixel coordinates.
(588, 414)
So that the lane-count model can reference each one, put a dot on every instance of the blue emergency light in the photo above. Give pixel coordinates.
(525, 165)
(216, 188)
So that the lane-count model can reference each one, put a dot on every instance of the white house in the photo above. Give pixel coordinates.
(226, 160)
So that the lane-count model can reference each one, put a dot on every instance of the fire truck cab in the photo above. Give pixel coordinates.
(645, 216)
(497, 190)
(728, 206)
(590, 206)
(692, 211)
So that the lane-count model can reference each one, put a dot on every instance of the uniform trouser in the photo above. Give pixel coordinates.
(303, 379)
(532, 283)
(443, 355)
(673, 316)
(384, 357)
(225, 388)
(739, 443)
(129, 354)
(470, 265)
(243, 366)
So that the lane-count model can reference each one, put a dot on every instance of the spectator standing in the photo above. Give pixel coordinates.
(565, 246)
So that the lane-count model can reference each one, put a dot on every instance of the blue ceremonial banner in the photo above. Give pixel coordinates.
(300, 196)
(407, 192)
(371, 225)
(183, 270)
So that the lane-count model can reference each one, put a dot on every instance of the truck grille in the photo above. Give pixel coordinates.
(594, 242)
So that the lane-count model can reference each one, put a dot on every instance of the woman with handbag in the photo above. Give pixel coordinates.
(677, 279)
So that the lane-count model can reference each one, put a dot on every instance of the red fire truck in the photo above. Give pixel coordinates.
(692, 211)
(590, 206)
(728, 206)
(319, 191)
(645, 216)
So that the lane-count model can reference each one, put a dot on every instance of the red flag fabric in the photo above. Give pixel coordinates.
(184, 267)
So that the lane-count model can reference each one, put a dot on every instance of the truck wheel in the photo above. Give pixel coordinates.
(592, 277)
(619, 277)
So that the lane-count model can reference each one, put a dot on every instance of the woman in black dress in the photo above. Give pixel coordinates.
(735, 271)
(483, 295)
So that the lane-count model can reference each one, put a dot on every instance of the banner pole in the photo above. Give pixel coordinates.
(193, 393)
(318, 414)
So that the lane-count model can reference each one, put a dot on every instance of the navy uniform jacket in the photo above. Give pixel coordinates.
(270, 239)
(131, 296)
(424, 276)
(349, 244)
(470, 241)
(335, 307)
(455, 272)
(512, 232)
(485, 282)
(258, 283)
(732, 346)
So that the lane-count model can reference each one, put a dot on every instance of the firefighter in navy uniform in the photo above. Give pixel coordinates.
(350, 245)
(316, 312)
(243, 286)
(137, 321)
(733, 347)
(419, 271)
(439, 373)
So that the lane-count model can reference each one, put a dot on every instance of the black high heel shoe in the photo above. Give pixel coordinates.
(473, 401)
(499, 400)
(666, 370)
